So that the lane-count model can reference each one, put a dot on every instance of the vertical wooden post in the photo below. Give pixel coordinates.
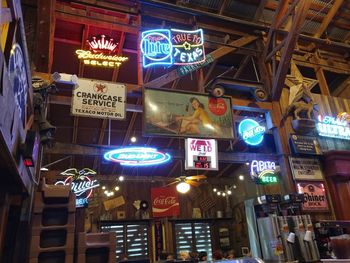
(4, 210)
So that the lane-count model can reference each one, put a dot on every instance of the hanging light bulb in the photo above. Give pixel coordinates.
(229, 192)
(234, 186)
(121, 178)
(103, 187)
(223, 194)
(183, 187)
(133, 139)
(215, 189)
(117, 188)
(241, 177)
(106, 192)
(218, 193)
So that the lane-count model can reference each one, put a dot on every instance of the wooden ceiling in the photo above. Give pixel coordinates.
(241, 33)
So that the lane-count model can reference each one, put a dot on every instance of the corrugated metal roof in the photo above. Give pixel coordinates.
(267, 16)
(338, 34)
(241, 9)
(310, 27)
(212, 4)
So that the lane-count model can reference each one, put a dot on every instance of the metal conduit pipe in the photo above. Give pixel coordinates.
(253, 25)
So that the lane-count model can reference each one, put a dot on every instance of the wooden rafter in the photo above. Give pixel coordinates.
(341, 88)
(300, 9)
(259, 11)
(331, 13)
(216, 54)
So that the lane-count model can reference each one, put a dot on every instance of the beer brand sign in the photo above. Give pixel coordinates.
(165, 202)
(168, 47)
(251, 132)
(315, 198)
(81, 184)
(101, 53)
(338, 127)
(263, 172)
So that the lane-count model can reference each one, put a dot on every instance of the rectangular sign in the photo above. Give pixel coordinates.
(201, 154)
(306, 168)
(315, 198)
(305, 144)
(97, 99)
(165, 202)
(182, 114)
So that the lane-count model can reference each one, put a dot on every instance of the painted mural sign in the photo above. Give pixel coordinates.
(172, 47)
(81, 184)
(165, 202)
(315, 198)
(201, 154)
(102, 52)
(97, 99)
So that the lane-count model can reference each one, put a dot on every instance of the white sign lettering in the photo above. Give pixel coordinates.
(201, 154)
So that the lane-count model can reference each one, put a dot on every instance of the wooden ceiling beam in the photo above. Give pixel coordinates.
(341, 88)
(259, 11)
(330, 15)
(184, 70)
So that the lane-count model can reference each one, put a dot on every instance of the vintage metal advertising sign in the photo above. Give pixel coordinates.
(165, 202)
(98, 99)
(315, 198)
(306, 168)
(201, 154)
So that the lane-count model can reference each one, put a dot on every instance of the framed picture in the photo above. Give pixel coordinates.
(315, 196)
(182, 114)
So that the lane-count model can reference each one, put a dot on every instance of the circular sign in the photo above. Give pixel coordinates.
(137, 156)
(251, 132)
(217, 106)
(156, 46)
(18, 78)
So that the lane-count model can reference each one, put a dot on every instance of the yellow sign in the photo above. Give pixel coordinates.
(100, 59)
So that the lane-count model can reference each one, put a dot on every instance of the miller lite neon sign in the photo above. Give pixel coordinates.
(172, 47)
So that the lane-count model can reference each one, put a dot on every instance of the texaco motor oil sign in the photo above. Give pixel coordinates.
(97, 99)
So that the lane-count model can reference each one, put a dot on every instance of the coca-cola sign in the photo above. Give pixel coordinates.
(315, 198)
(165, 202)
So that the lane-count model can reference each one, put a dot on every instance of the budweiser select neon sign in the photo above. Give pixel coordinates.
(102, 52)
(329, 126)
(172, 47)
(137, 156)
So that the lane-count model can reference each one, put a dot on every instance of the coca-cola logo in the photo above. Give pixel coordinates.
(164, 200)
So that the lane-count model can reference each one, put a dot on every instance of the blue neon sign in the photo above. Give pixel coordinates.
(137, 156)
(168, 47)
(251, 132)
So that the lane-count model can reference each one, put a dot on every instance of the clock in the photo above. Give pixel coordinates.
(18, 78)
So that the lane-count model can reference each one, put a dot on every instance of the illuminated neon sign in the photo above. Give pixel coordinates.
(101, 53)
(263, 172)
(251, 132)
(137, 156)
(328, 126)
(168, 47)
(81, 184)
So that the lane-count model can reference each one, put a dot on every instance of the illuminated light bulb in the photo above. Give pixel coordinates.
(183, 187)
(103, 187)
(229, 192)
(214, 190)
(106, 192)
(234, 186)
(218, 193)
(44, 169)
(223, 194)
(247, 163)
(116, 188)
(241, 177)
(121, 178)
(112, 193)
(133, 139)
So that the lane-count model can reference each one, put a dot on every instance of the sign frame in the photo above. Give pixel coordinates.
(189, 157)
(301, 185)
(318, 176)
(177, 103)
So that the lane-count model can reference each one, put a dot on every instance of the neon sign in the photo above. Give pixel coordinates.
(168, 47)
(251, 132)
(137, 156)
(328, 126)
(263, 172)
(81, 184)
(101, 53)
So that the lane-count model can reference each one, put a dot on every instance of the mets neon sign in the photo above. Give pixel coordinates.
(137, 156)
(251, 132)
(172, 47)
(328, 126)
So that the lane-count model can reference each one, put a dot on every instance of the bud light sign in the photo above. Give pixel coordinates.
(201, 154)
(165, 202)
(168, 47)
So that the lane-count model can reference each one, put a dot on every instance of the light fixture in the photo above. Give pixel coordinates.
(121, 178)
(229, 192)
(44, 169)
(133, 139)
(234, 186)
(214, 190)
(116, 188)
(104, 188)
(247, 163)
(105, 192)
(183, 187)
(241, 177)
(112, 193)
(218, 193)
(223, 194)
